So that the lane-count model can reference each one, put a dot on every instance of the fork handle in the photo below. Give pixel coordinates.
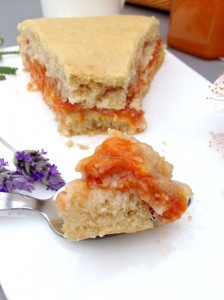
(9, 201)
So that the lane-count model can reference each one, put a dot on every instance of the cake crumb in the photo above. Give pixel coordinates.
(69, 143)
(189, 218)
(83, 147)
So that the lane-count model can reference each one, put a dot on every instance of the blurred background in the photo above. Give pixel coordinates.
(14, 11)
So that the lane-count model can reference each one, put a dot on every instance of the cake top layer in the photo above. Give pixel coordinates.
(101, 49)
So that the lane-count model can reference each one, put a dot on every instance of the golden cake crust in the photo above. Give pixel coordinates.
(119, 37)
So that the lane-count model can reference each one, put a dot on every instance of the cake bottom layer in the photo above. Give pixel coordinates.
(92, 212)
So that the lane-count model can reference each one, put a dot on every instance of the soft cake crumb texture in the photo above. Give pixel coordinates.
(114, 196)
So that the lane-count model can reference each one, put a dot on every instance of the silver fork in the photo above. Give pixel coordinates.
(47, 208)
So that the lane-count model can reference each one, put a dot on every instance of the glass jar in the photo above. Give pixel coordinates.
(197, 27)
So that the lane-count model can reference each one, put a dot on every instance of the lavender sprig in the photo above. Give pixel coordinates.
(35, 167)
(6, 70)
(12, 180)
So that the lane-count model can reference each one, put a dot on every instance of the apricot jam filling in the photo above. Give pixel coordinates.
(118, 158)
(52, 96)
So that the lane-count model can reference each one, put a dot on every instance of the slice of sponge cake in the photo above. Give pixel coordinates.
(93, 72)
(125, 186)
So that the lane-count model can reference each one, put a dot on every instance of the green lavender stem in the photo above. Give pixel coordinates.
(7, 70)
(8, 52)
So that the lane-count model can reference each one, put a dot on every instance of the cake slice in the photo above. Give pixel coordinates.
(125, 187)
(93, 72)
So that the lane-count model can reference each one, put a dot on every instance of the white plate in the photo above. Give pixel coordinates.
(184, 260)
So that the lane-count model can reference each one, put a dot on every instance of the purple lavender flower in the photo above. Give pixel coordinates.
(3, 163)
(12, 180)
(34, 166)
